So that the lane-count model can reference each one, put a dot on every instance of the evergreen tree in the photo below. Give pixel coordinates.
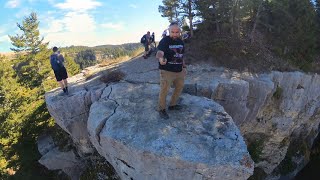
(72, 67)
(32, 64)
(178, 10)
(86, 58)
(294, 29)
(170, 9)
(30, 40)
(187, 10)
(23, 113)
(317, 6)
(218, 13)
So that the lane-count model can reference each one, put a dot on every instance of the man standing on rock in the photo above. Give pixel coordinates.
(172, 69)
(60, 72)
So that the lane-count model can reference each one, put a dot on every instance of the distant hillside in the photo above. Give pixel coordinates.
(127, 46)
(87, 56)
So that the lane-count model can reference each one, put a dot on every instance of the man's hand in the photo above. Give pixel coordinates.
(184, 70)
(162, 61)
(160, 55)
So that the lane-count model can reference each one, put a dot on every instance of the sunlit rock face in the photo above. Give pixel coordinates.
(199, 141)
(276, 112)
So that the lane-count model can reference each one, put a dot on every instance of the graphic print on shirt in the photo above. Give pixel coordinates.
(177, 57)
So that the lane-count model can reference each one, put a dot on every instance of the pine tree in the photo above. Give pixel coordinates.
(188, 10)
(32, 64)
(170, 9)
(179, 10)
(88, 58)
(30, 41)
(294, 29)
(317, 6)
(220, 13)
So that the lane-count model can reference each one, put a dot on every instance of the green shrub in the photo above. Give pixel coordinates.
(278, 93)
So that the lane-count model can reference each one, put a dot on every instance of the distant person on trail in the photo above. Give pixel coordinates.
(172, 69)
(164, 34)
(60, 72)
(145, 40)
(153, 40)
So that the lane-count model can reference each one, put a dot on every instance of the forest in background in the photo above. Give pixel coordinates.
(24, 78)
(235, 33)
(88, 56)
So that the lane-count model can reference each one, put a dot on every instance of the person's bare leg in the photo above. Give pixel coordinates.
(65, 82)
(61, 83)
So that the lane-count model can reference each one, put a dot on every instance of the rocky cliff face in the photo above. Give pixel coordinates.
(277, 114)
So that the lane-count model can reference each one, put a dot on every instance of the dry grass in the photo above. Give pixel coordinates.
(121, 59)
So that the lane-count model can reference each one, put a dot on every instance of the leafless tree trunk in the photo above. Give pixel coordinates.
(190, 16)
(234, 18)
(255, 22)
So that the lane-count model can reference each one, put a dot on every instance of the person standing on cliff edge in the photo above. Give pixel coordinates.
(172, 69)
(60, 72)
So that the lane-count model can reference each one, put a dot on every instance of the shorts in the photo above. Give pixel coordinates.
(61, 74)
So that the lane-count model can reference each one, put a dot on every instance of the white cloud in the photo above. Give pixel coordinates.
(116, 26)
(70, 38)
(12, 4)
(133, 6)
(2, 29)
(72, 21)
(4, 38)
(76, 5)
(54, 26)
(79, 22)
(23, 13)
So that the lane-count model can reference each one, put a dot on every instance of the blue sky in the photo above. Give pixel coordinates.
(83, 22)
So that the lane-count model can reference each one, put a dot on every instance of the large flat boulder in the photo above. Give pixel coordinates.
(200, 141)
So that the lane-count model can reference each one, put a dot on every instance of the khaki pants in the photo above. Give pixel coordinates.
(166, 79)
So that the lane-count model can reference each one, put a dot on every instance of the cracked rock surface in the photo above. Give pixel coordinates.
(199, 142)
(277, 114)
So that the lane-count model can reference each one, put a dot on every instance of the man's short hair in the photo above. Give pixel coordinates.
(174, 23)
(55, 49)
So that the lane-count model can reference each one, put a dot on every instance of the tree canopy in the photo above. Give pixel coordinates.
(291, 27)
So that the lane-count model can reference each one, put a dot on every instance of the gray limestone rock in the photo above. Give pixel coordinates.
(45, 144)
(66, 161)
(199, 142)
(273, 111)
(71, 111)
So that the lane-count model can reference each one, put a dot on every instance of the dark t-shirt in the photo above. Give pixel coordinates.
(173, 52)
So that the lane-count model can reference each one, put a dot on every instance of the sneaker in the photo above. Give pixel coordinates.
(175, 107)
(64, 90)
(67, 89)
(163, 114)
